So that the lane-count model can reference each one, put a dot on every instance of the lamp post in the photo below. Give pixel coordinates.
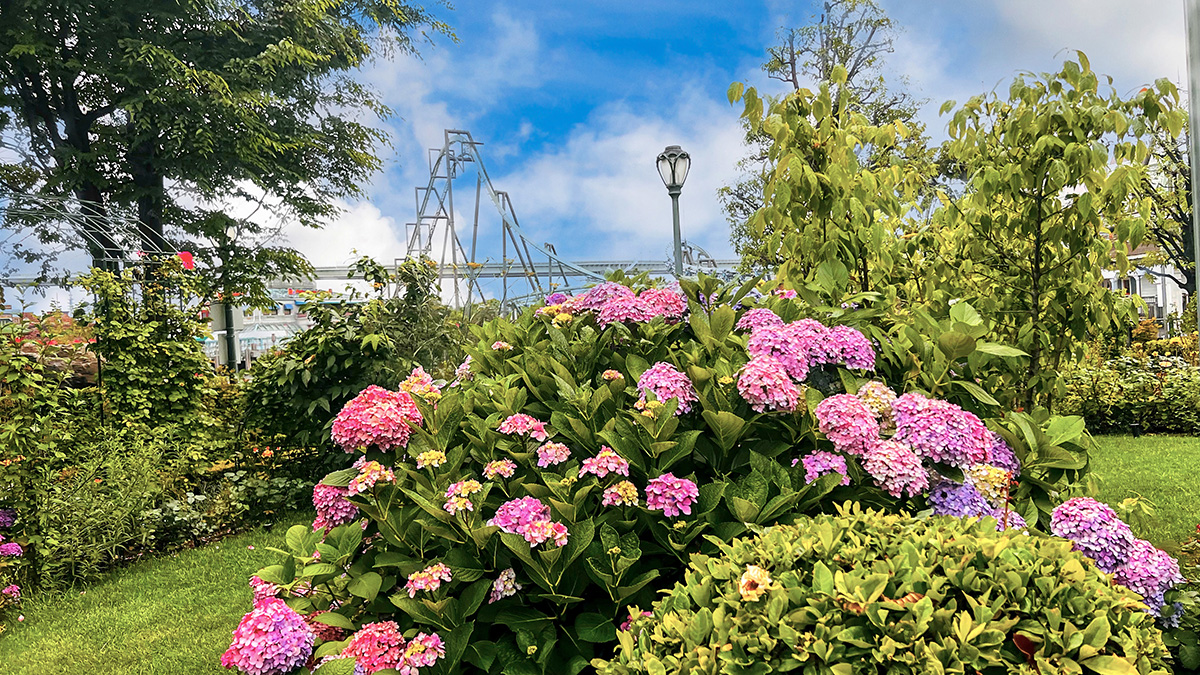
(227, 304)
(673, 165)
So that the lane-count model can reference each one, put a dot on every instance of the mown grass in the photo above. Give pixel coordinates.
(1162, 469)
(168, 616)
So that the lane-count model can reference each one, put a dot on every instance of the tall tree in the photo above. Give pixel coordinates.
(850, 36)
(162, 109)
(1169, 186)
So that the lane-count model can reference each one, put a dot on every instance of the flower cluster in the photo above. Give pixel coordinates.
(940, 431)
(431, 459)
(504, 586)
(501, 346)
(665, 382)
(1000, 455)
(949, 498)
(605, 462)
(671, 495)
(262, 590)
(11, 549)
(665, 302)
(820, 463)
(428, 579)
(463, 372)
(376, 417)
(271, 640)
(600, 294)
(11, 591)
(765, 385)
(848, 423)
(991, 481)
(371, 473)
(1096, 530)
(530, 518)
(624, 308)
(505, 468)
(332, 507)
(879, 398)
(623, 493)
(757, 318)
(612, 375)
(845, 345)
(552, 453)
(1148, 572)
(7, 517)
(376, 647)
(780, 343)
(754, 583)
(524, 425)
(420, 383)
(895, 468)
(422, 651)
(457, 496)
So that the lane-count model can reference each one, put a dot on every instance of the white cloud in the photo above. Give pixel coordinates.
(361, 229)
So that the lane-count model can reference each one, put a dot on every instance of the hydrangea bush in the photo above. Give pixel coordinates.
(587, 449)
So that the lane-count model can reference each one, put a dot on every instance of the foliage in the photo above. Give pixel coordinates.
(855, 35)
(1169, 187)
(295, 392)
(1158, 393)
(440, 499)
(869, 592)
(143, 110)
(1145, 331)
(1184, 640)
(1181, 346)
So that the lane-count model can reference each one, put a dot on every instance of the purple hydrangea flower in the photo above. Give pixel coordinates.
(1148, 572)
(1000, 455)
(7, 517)
(599, 295)
(820, 463)
(848, 422)
(949, 498)
(271, 640)
(12, 548)
(940, 431)
(1095, 529)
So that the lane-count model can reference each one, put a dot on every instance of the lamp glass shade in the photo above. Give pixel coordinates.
(673, 165)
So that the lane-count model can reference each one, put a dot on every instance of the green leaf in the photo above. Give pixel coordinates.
(1109, 665)
(956, 345)
(727, 427)
(334, 619)
(822, 578)
(339, 666)
(592, 627)
(997, 349)
(366, 586)
(340, 478)
(976, 391)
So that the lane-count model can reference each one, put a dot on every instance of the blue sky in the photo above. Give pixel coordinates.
(574, 100)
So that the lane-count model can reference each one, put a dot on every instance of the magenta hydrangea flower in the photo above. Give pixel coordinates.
(666, 382)
(671, 495)
(368, 475)
(765, 385)
(7, 517)
(848, 423)
(624, 308)
(758, 317)
(530, 518)
(1095, 529)
(504, 586)
(376, 647)
(895, 468)
(598, 295)
(12, 592)
(523, 425)
(820, 463)
(781, 344)
(12, 549)
(262, 590)
(552, 453)
(1148, 572)
(555, 298)
(505, 468)
(606, 461)
(422, 651)
(665, 302)
(428, 579)
(940, 431)
(376, 417)
(332, 507)
(271, 640)
(845, 345)
(949, 498)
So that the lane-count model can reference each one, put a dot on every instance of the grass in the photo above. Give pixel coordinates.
(167, 616)
(1162, 469)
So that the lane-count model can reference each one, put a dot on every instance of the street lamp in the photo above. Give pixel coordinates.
(227, 305)
(673, 165)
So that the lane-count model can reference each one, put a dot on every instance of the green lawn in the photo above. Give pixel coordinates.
(1163, 469)
(168, 616)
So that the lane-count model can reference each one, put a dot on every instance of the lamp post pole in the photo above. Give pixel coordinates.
(678, 237)
(227, 301)
(1193, 51)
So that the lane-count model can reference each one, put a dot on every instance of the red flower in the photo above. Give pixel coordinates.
(189, 263)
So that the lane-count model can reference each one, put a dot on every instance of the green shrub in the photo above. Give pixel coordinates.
(870, 592)
(1159, 393)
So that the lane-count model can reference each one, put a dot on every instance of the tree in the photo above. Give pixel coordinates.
(165, 108)
(855, 36)
(1168, 184)
(1053, 196)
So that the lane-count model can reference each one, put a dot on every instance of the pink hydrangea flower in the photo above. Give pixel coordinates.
(624, 308)
(428, 579)
(605, 462)
(332, 507)
(376, 417)
(666, 382)
(758, 317)
(12, 592)
(628, 622)
(271, 640)
(463, 372)
(368, 476)
(665, 302)
(457, 496)
(501, 346)
(420, 383)
(671, 495)
(262, 590)
(11, 549)
(611, 375)
(422, 651)
(1148, 572)
(530, 518)
(780, 343)
(820, 463)
(940, 431)
(504, 586)
(598, 295)
(623, 493)
(845, 345)
(765, 385)
(524, 425)
(552, 453)
(896, 468)
(500, 467)
(377, 646)
(785, 293)
(848, 422)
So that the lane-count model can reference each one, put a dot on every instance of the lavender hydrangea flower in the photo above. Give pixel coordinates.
(820, 463)
(950, 498)
(7, 517)
(271, 640)
(940, 431)
(1148, 572)
(1095, 529)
